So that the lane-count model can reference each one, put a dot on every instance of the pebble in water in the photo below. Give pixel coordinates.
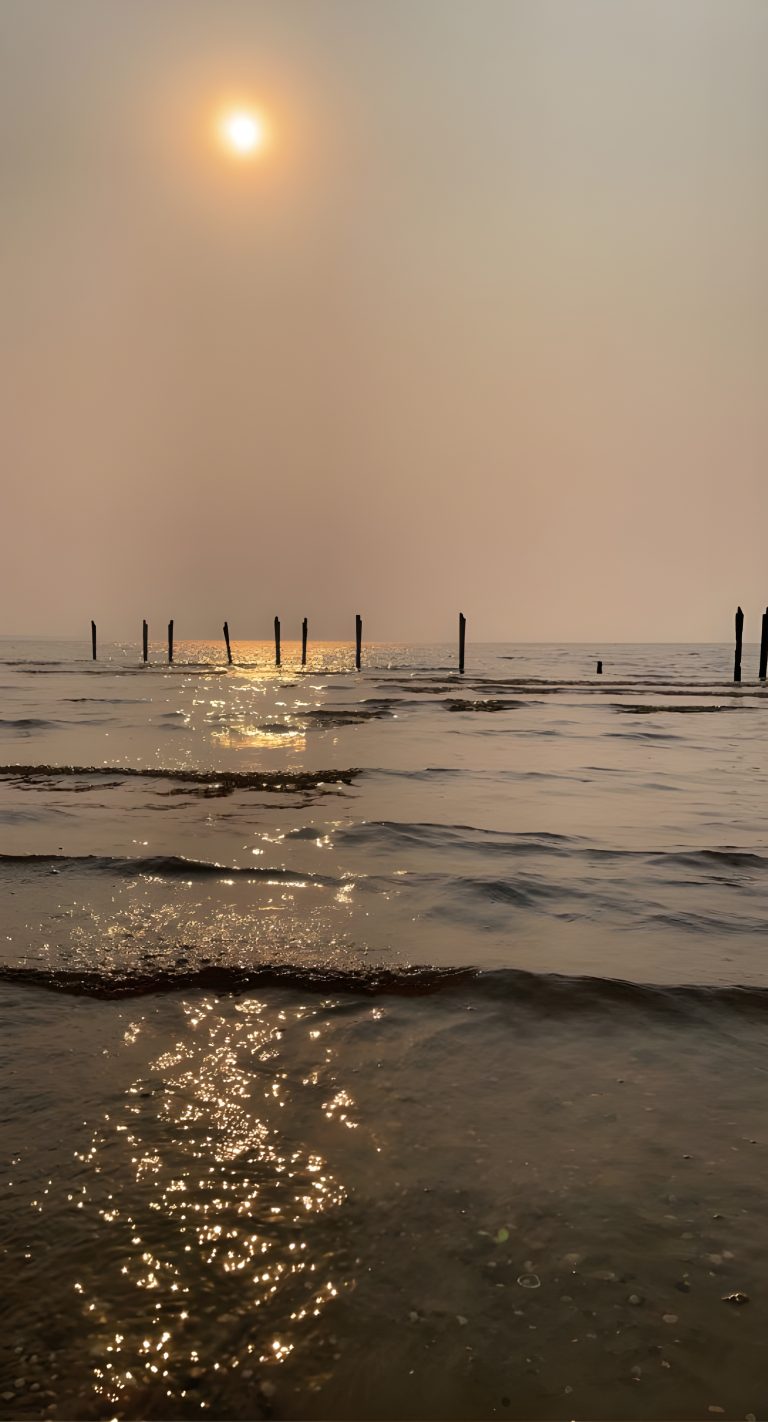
(669, 1317)
(736, 1298)
(529, 1281)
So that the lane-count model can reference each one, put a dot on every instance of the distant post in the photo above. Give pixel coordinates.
(739, 634)
(170, 641)
(599, 669)
(462, 639)
(226, 639)
(93, 639)
(764, 647)
(145, 640)
(277, 641)
(304, 643)
(358, 640)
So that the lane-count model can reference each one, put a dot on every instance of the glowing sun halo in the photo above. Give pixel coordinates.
(242, 132)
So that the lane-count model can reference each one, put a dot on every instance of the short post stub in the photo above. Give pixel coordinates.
(226, 639)
(599, 669)
(277, 641)
(462, 639)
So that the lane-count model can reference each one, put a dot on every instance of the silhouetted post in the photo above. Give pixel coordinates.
(599, 669)
(739, 633)
(304, 643)
(764, 647)
(93, 639)
(170, 641)
(277, 641)
(358, 640)
(145, 640)
(226, 639)
(462, 639)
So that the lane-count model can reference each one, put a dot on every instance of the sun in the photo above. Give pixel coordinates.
(243, 132)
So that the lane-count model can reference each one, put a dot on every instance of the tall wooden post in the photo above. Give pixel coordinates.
(304, 643)
(764, 647)
(170, 641)
(462, 639)
(277, 641)
(226, 639)
(145, 640)
(93, 639)
(739, 634)
(358, 640)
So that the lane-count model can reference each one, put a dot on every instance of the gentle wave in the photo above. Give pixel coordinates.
(170, 866)
(29, 723)
(644, 710)
(546, 992)
(398, 834)
(225, 780)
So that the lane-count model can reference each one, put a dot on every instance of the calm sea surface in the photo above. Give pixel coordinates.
(386, 1044)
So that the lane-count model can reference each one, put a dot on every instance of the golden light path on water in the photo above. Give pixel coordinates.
(208, 1195)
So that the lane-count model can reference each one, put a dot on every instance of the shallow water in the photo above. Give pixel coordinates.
(382, 1045)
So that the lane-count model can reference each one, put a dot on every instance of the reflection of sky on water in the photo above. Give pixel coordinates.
(211, 1192)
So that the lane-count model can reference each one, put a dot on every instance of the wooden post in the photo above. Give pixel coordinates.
(304, 643)
(93, 639)
(462, 639)
(358, 640)
(739, 633)
(277, 641)
(599, 669)
(764, 647)
(145, 640)
(226, 639)
(170, 641)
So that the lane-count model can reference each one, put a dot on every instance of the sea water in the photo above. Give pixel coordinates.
(382, 1044)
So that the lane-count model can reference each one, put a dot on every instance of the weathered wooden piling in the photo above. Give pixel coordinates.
(93, 639)
(170, 641)
(764, 647)
(145, 640)
(304, 643)
(358, 640)
(599, 669)
(462, 639)
(739, 636)
(226, 639)
(277, 641)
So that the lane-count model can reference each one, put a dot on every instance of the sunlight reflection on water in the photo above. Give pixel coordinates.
(196, 1175)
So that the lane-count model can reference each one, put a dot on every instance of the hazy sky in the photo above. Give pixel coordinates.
(485, 328)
